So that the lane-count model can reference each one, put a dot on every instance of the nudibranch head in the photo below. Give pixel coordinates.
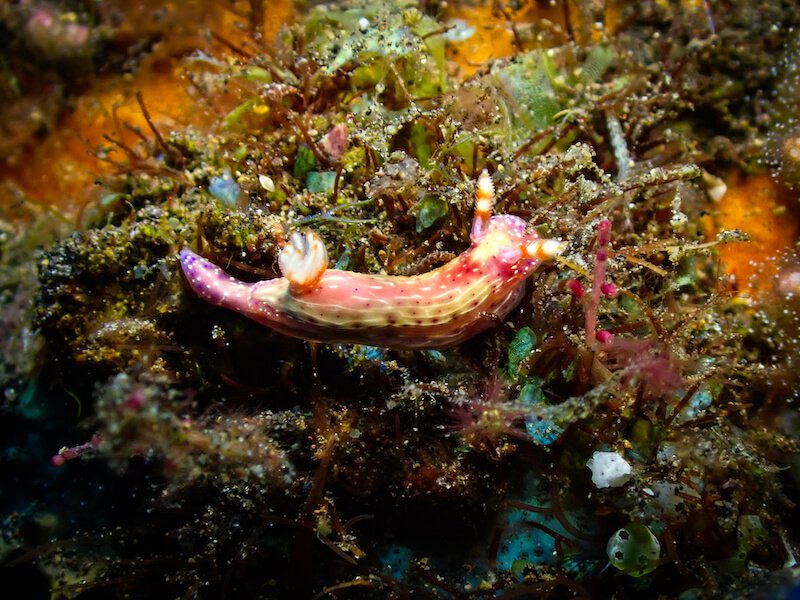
(303, 260)
(507, 241)
(505, 237)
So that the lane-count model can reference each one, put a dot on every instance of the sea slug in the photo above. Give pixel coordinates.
(438, 309)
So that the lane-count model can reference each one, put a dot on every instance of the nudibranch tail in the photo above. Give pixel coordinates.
(303, 260)
(212, 284)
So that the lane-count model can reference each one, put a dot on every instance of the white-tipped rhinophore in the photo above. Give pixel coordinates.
(484, 197)
(545, 249)
(484, 203)
(303, 260)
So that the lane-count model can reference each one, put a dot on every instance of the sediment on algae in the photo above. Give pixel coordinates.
(272, 466)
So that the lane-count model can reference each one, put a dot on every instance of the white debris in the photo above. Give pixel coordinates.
(458, 30)
(609, 469)
(266, 183)
(715, 186)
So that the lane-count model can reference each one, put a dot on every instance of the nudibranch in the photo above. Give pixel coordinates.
(438, 309)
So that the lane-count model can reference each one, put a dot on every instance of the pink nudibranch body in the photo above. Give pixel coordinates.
(438, 309)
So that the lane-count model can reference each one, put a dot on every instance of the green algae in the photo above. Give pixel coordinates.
(519, 349)
(429, 210)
